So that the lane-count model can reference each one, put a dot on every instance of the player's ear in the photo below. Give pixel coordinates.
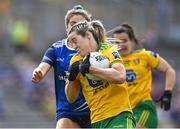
(88, 34)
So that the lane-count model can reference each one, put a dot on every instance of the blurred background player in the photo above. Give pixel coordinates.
(108, 98)
(58, 56)
(139, 64)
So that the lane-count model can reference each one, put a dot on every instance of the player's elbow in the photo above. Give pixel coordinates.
(71, 93)
(70, 99)
(170, 71)
(173, 71)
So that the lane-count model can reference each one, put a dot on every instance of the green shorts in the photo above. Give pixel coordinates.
(146, 115)
(123, 120)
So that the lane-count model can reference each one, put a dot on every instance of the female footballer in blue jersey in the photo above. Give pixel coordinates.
(58, 56)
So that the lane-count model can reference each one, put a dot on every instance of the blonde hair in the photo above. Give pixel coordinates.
(77, 11)
(95, 27)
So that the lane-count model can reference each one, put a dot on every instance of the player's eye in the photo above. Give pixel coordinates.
(72, 23)
(74, 43)
(124, 41)
(74, 40)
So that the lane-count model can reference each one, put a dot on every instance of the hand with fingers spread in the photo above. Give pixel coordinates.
(37, 76)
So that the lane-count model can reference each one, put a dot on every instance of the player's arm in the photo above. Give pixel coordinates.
(160, 64)
(72, 84)
(115, 74)
(170, 75)
(72, 90)
(43, 68)
(40, 72)
(169, 72)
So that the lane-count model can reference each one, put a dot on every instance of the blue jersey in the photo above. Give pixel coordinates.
(59, 56)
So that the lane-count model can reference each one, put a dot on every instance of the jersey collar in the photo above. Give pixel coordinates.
(99, 46)
(65, 40)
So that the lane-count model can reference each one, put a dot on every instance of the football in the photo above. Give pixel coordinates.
(97, 59)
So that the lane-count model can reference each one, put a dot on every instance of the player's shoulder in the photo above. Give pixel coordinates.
(75, 58)
(107, 47)
(59, 43)
(147, 53)
(151, 53)
(142, 51)
(104, 46)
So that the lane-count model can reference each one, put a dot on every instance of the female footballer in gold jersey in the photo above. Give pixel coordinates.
(139, 64)
(108, 98)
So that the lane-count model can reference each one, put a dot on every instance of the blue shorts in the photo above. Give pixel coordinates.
(82, 120)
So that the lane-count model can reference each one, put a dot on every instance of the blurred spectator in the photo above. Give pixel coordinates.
(20, 35)
(2, 103)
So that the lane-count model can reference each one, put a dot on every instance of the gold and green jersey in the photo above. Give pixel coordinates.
(104, 99)
(139, 66)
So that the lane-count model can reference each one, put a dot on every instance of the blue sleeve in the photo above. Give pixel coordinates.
(49, 56)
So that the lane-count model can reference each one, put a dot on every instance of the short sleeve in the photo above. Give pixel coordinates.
(75, 58)
(49, 56)
(153, 59)
(113, 55)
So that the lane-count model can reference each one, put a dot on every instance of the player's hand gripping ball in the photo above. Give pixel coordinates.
(95, 59)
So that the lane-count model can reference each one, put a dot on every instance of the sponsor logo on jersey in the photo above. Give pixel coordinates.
(95, 83)
(130, 75)
(154, 54)
(136, 60)
(116, 55)
(60, 59)
(100, 58)
(101, 87)
(63, 77)
(72, 54)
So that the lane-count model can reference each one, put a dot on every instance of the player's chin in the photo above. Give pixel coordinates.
(123, 51)
(82, 53)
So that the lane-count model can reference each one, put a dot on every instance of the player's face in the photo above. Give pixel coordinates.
(126, 45)
(79, 43)
(73, 20)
